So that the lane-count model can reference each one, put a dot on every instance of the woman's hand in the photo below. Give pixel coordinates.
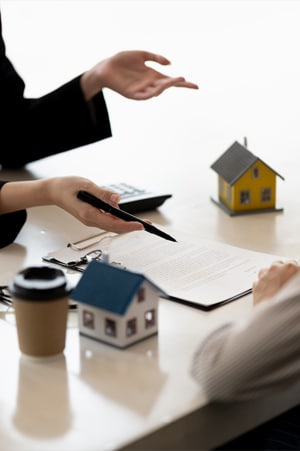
(271, 280)
(62, 192)
(127, 73)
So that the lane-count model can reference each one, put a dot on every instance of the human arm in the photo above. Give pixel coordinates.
(75, 114)
(260, 355)
(36, 128)
(15, 197)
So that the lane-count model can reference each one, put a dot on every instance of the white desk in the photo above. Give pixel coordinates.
(96, 397)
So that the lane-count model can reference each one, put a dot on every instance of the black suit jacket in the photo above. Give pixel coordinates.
(31, 129)
(10, 224)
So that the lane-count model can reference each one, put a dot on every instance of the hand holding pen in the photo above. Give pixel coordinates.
(98, 203)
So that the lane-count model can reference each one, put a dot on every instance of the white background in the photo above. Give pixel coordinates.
(243, 54)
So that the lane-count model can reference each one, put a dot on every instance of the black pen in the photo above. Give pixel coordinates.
(98, 203)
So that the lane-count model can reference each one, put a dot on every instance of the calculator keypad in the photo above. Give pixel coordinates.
(135, 200)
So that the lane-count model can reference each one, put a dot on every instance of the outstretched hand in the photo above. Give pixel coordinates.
(128, 74)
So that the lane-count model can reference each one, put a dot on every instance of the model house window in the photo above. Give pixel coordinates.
(88, 319)
(266, 194)
(149, 318)
(255, 172)
(110, 327)
(245, 197)
(141, 294)
(131, 327)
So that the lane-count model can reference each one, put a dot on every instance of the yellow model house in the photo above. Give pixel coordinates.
(245, 183)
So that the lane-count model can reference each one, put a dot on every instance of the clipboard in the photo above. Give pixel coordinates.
(202, 274)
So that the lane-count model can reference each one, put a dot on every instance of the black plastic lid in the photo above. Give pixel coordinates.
(39, 283)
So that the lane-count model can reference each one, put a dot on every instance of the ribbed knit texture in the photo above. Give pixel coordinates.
(260, 355)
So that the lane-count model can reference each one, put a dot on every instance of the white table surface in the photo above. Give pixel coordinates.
(98, 397)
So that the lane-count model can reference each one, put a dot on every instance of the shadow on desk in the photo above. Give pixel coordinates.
(136, 369)
(38, 397)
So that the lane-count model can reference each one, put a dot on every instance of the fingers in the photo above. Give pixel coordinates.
(106, 195)
(108, 222)
(148, 56)
(160, 86)
(154, 88)
(271, 280)
(186, 84)
(94, 217)
(109, 197)
(280, 266)
(181, 83)
(165, 82)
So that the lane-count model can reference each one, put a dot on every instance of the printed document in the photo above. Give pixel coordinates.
(201, 273)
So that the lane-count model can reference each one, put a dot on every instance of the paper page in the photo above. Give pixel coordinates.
(201, 272)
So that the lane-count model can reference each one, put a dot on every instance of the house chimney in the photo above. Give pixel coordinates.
(105, 257)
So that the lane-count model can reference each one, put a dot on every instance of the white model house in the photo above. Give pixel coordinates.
(115, 305)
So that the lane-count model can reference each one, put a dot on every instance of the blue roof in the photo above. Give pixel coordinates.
(109, 287)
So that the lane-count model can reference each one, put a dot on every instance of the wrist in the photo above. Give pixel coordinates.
(42, 191)
(90, 83)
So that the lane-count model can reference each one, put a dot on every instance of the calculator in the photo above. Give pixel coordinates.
(135, 200)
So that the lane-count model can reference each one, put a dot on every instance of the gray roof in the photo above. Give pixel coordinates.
(235, 161)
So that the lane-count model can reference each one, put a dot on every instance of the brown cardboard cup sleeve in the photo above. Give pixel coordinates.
(40, 298)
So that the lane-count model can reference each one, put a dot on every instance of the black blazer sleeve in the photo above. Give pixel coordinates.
(31, 129)
(11, 224)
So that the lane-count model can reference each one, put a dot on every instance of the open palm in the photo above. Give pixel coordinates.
(127, 73)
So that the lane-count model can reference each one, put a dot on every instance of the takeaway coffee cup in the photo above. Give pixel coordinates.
(40, 298)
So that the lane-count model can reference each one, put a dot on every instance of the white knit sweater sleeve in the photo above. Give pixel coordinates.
(261, 355)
